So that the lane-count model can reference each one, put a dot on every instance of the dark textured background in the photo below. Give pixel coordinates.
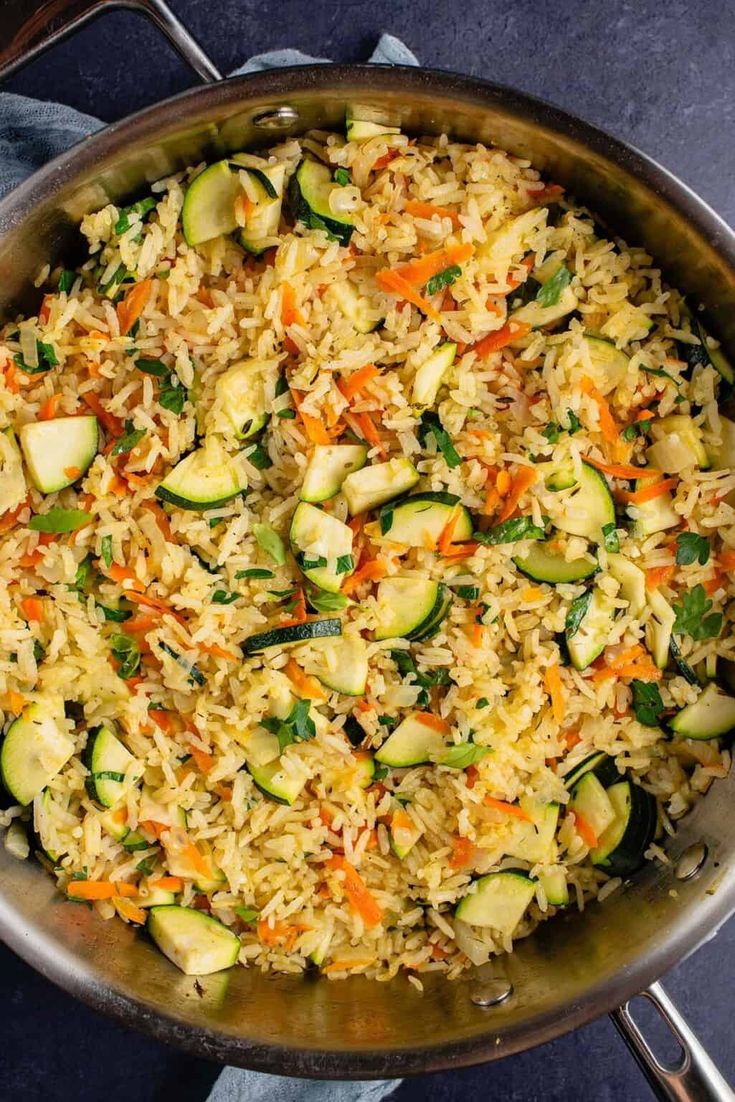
(660, 76)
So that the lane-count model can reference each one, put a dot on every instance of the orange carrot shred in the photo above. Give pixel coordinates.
(133, 305)
(584, 830)
(508, 809)
(446, 536)
(436, 723)
(48, 410)
(555, 689)
(428, 210)
(608, 427)
(358, 381)
(217, 652)
(32, 609)
(648, 493)
(501, 338)
(203, 759)
(129, 910)
(16, 702)
(420, 271)
(91, 889)
(622, 470)
(357, 892)
(522, 481)
(370, 571)
(109, 421)
(307, 687)
(462, 850)
(659, 575)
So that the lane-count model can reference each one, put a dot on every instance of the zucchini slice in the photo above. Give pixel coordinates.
(499, 900)
(711, 715)
(209, 204)
(60, 451)
(591, 801)
(544, 565)
(678, 445)
(153, 810)
(340, 664)
(419, 520)
(722, 455)
(538, 316)
(599, 763)
(632, 582)
(586, 510)
(621, 847)
(309, 192)
(275, 783)
(588, 640)
(291, 636)
(355, 307)
(659, 628)
(652, 516)
(13, 489)
(534, 841)
(243, 395)
(410, 608)
(264, 216)
(404, 832)
(607, 365)
(34, 750)
(329, 466)
(702, 353)
(380, 482)
(358, 130)
(365, 768)
(412, 743)
(115, 823)
(429, 376)
(153, 897)
(195, 942)
(554, 883)
(204, 479)
(109, 763)
(322, 547)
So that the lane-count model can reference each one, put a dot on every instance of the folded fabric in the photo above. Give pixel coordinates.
(31, 133)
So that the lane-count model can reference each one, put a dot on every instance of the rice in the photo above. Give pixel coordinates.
(319, 880)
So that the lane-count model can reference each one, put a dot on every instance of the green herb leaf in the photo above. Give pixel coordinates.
(468, 592)
(141, 208)
(127, 652)
(106, 551)
(222, 597)
(551, 291)
(386, 519)
(462, 756)
(380, 772)
(483, 702)
(286, 414)
(115, 615)
(270, 542)
(157, 368)
(692, 548)
(552, 432)
(195, 674)
(647, 703)
(443, 279)
(510, 531)
(430, 425)
(83, 575)
(342, 177)
(66, 280)
(247, 914)
(345, 563)
(574, 422)
(610, 537)
(129, 440)
(59, 520)
(173, 396)
(691, 618)
(660, 373)
(576, 613)
(259, 457)
(298, 726)
(386, 721)
(310, 564)
(47, 358)
(254, 572)
(146, 866)
(326, 602)
(38, 650)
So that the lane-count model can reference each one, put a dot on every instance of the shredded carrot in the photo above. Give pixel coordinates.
(150, 826)
(16, 702)
(358, 381)
(522, 481)
(659, 575)
(420, 271)
(118, 486)
(446, 536)
(622, 470)
(133, 305)
(726, 560)
(471, 774)
(608, 427)
(159, 716)
(127, 909)
(503, 482)
(645, 414)
(461, 550)
(347, 965)
(47, 412)
(436, 723)
(508, 809)
(393, 283)
(372, 570)
(571, 737)
(501, 338)
(217, 652)
(290, 314)
(555, 689)
(194, 857)
(476, 635)
(307, 687)
(32, 609)
(280, 933)
(91, 889)
(385, 160)
(648, 493)
(203, 759)
(169, 884)
(462, 851)
(140, 625)
(357, 892)
(10, 373)
(72, 472)
(126, 891)
(428, 210)
(584, 830)
(162, 520)
(362, 425)
(9, 519)
(109, 421)
(714, 583)
(224, 792)
(642, 670)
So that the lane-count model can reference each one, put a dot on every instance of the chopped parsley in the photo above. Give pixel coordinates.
(576, 613)
(430, 425)
(463, 755)
(222, 597)
(130, 439)
(106, 551)
(254, 572)
(551, 291)
(298, 726)
(610, 537)
(270, 542)
(692, 548)
(342, 177)
(326, 602)
(692, 618)
(647, 703)
(46, 355)
(66, 280)
(126, 652)
(443, 279)
(141, 208)
(58, 520)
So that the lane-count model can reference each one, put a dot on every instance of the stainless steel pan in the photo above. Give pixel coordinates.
(578, 966)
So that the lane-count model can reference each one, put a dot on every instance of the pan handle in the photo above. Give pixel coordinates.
(27, 33)
(694, 1077)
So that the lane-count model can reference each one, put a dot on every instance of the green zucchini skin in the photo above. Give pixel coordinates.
(308, 205)
(289, 636)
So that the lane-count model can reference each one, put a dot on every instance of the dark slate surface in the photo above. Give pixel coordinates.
(659, 76)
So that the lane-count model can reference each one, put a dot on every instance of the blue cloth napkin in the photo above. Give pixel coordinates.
(31, 133)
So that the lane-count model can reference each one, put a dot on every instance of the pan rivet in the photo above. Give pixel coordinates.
(276, 118)
(491, 992)
(691, 861)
